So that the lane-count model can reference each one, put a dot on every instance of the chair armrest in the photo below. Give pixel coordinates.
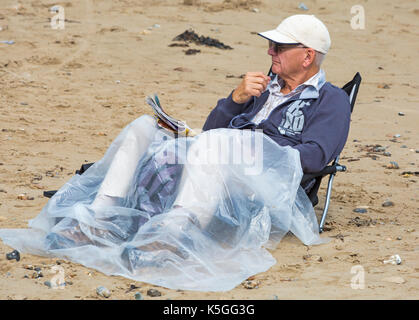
(332, 169)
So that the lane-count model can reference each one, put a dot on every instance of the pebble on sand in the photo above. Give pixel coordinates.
(393, 165)
(103, 292)
(251, 284)
(394, 259)
(388, 203)
(138, 296)
(14, 255)
(153, 293)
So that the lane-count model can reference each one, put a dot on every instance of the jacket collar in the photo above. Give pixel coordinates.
(309, 89)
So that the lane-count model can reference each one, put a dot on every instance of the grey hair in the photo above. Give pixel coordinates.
(318, 59)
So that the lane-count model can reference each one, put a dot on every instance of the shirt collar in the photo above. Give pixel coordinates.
(315, 82)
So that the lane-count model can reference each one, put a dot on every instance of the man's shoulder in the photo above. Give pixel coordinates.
(330, 88)
(330, 91)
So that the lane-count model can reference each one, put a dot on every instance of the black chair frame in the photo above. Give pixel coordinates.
(351, 88)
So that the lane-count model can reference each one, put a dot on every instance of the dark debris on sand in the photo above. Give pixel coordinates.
(191, 36)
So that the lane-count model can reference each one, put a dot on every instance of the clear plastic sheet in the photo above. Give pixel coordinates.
(189, 220)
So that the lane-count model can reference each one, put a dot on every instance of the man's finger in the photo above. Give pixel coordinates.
(258, 80)
(257, 86)
(255, 74)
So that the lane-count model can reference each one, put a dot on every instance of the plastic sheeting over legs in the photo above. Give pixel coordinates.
(188, 213)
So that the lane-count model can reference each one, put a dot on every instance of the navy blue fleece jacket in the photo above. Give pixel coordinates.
(315, 122)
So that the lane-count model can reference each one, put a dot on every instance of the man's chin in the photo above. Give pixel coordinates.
(276, 69)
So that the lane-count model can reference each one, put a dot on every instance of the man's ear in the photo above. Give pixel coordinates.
(309, 57)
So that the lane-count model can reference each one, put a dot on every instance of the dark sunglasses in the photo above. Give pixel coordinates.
(277, 47)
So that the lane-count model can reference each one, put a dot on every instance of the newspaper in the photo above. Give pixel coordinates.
(167, 122)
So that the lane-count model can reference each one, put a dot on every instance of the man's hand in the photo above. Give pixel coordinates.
(253, 84)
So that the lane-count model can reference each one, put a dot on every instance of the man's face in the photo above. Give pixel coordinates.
(287, 60)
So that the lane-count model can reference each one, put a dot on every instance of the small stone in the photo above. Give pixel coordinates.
(275, 297)
(23, 103)
(37, 274)
(387, 154)
(251, 284)
(399, 238)
(395, 259)
(403, 146)
(256, 10)
(383, 86)
(54, 9)
(393, 165)
(132, 287)
(156, 25)
(192, 51)
(138, 296)
(24, 196)
(13, 255)
(379, 149)
(103, 292)
(401, 114)
(397, 136)
(387, 203)
(398, 280)
(182, 69)
(302, 6)
(360, 210)
(153, 293)
(48, 284)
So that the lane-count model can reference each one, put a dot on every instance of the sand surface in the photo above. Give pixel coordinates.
(66, 94)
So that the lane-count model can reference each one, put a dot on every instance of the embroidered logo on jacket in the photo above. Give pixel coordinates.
(293, 122)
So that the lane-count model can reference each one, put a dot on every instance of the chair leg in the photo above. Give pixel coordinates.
(327, 202)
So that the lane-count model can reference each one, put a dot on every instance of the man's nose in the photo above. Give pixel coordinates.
(271, 51)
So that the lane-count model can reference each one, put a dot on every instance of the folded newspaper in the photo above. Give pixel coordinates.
(167, 122)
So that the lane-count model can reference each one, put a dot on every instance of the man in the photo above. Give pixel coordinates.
(296, 107)
(212, 220)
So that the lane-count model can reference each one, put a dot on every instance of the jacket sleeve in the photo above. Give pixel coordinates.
(326, 132)
(222, 114)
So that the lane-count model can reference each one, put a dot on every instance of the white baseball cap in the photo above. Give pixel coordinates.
(301, 28)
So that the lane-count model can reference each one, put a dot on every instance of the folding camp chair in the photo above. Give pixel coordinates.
(351, 88)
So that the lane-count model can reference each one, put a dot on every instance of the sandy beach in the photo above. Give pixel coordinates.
(65, 94)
